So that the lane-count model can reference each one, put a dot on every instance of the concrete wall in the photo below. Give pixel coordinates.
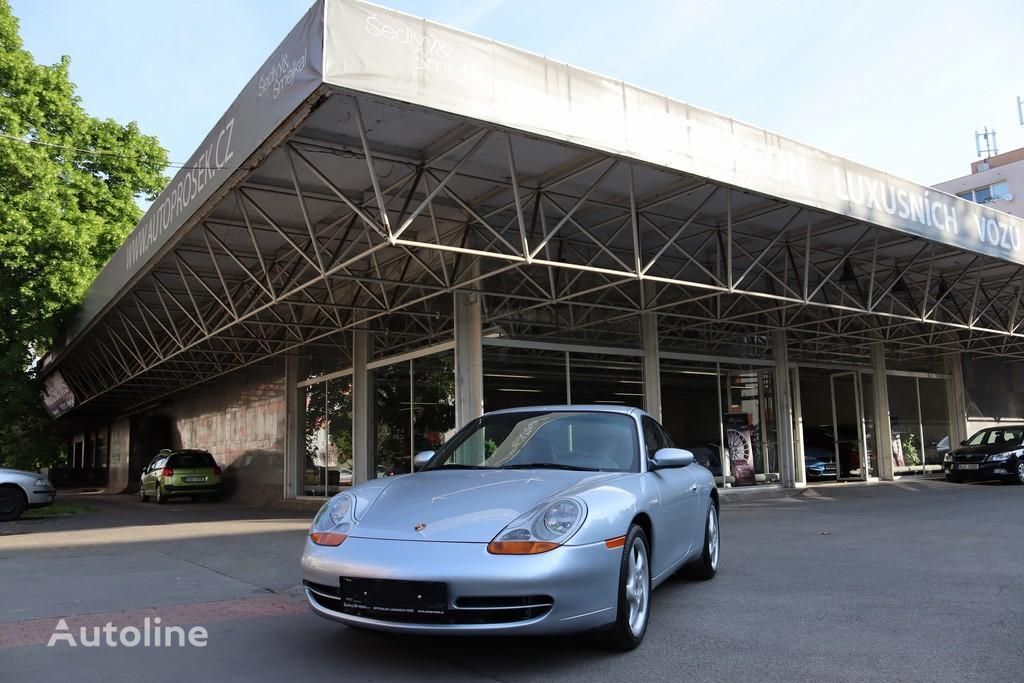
(240, 419)
(117, 473)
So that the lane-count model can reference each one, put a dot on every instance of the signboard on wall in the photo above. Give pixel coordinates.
(57, 395)
(284, 81)
(740, 447)
(374, 50)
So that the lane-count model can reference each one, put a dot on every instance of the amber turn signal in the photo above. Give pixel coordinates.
(520, 547)
(616, 542)
(327, 538)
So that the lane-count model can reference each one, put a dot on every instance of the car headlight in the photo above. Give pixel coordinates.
(335, 519)
(948, 457)
(44, 483)
(541, 529)
(999, 457)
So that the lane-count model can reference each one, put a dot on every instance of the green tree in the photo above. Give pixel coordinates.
(68, 189)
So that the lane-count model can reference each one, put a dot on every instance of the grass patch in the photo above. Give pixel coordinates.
(61, 508)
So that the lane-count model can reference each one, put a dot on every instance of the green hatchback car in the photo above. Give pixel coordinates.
(188, 472)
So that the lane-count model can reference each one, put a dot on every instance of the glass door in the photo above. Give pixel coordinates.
(849, 438)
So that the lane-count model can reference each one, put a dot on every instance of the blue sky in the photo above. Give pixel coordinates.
(897, 85)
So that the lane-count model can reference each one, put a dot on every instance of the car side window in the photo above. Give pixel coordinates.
(652, 437)
(157, 464)
(666, 440)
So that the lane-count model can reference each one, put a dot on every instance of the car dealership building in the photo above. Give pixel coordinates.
(397, 226)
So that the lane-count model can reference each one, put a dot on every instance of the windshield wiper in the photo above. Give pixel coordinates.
(460, 466)
(547, 466)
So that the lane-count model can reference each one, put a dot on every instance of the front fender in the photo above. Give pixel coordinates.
(611, 509)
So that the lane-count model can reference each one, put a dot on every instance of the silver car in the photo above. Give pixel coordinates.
(530, 521)
(20, 491)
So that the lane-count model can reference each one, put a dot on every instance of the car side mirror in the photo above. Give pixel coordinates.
(964, 442)
(420, 460)
(672, 457)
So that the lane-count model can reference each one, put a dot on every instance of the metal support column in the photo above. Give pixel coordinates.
(784, 411)
(652, 366)
(883, 423)
(469, 362)
(956, 399)
(293, 430)
(362, 408)
(800, 471)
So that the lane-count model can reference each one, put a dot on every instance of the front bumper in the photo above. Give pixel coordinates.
(40, 497)
(986, 470)
(581, 582)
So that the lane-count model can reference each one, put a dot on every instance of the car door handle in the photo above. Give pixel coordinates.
(693, 487)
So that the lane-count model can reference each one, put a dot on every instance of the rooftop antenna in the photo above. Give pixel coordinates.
(985, 143)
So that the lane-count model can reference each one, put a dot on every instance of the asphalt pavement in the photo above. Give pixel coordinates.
(912, 581)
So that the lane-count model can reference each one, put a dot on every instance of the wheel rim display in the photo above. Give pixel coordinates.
(637, 586)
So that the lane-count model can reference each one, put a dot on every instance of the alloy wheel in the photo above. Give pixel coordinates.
(638, 586)
(713, 543)
(1020, 471)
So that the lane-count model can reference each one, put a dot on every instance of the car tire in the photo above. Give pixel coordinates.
(705, 567)
(12, 503)
(143, 496)
(634, 603)
(158, 495)
(1019, 479)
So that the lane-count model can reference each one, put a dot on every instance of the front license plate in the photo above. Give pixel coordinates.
(389, 595)
(193, 480)
(966, 466)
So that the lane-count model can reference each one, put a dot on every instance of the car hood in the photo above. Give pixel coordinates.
(468, 506)
(19, 473)
(987, 450)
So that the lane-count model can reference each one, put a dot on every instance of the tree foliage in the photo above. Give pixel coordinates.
(68, 189)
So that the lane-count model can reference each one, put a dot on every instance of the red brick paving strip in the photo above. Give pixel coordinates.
(38, 631)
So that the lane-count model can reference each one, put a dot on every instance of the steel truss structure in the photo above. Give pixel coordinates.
(373, 213)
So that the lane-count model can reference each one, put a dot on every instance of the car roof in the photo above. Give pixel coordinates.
(576, 408)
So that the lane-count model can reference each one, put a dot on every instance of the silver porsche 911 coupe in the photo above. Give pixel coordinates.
(531, 520)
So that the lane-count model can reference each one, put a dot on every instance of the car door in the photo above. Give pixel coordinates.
(149, 474)
(677, 492)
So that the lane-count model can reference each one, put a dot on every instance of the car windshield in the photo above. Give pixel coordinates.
(193, 459)
(571, 440)
(997, 435)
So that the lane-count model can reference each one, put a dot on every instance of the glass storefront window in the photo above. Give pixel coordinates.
(313, 474)
(689, 410)
(338, 461)
(907, 455)
(515, 377)
(748, 416)
(934, 421)
(711, 410)
(392, 414)
(604, 379)
(434, 407)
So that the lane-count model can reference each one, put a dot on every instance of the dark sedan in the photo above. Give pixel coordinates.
(994, 453)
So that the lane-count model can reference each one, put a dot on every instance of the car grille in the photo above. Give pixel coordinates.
(467, 609)
(979, 457)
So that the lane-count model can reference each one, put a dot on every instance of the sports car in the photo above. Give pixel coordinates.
(539, 520)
